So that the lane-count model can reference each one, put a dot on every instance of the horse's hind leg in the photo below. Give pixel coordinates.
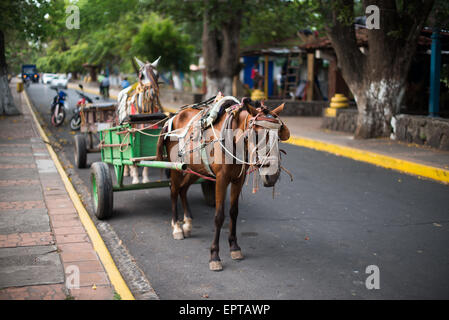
(145, 175)
(187, 226)
(236, 188)
(176, 178)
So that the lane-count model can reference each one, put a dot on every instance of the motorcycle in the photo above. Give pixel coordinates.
(75, 122)
(58, 108)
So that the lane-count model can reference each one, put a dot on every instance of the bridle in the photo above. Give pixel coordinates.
(273, 124)
(149, 91)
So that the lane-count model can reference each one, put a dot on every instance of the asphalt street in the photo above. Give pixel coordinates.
(314, 240)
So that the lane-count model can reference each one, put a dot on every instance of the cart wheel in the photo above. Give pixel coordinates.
(208, 188)
(102, 193)
(80, 151)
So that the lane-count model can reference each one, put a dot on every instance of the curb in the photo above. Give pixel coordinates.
(413, 168)
(409, 167)
(100, 248)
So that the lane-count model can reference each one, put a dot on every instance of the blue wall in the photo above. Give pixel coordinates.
(249, 63)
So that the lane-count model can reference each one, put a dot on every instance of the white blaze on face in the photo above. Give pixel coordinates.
(145, 79)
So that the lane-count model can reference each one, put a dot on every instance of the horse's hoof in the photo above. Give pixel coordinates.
(145, 180)
(135, 181)
(178, 236)
(187, 233)
(187, 230)
(236, 255)
(215, 266)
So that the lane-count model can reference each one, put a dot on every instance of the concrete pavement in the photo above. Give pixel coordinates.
(45, 252)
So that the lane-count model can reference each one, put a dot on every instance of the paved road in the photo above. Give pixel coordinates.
(314, 240)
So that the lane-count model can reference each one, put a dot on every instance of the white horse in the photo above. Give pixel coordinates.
(140, 98)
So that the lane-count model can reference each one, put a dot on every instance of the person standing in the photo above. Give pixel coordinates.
(105, 86)
(100, 81)
(125, 83)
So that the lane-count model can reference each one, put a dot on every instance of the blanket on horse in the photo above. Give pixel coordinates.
(137, 99)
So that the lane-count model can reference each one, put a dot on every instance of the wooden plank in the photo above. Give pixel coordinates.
(310, 75)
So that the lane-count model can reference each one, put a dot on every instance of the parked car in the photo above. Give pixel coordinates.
(60, 81)
(47, 77)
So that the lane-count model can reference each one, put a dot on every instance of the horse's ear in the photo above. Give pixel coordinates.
(279, 109)
(246, 103)
(156, 62)
(140, 63)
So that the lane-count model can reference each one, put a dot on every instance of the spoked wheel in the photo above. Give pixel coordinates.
(58, 119)
(75, 123)
(208, 188)
(102, 192)
(80, 151)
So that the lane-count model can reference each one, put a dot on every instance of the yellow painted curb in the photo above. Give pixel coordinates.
(377, 159)
(116, 278)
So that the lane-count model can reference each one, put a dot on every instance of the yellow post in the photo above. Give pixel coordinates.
(339, 101)
(19, 86)
(266, 77)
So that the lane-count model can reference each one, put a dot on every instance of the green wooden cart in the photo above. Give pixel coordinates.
(124, 145)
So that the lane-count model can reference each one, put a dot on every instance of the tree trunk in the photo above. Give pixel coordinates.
(377, 76)
(377, 103)
(7, 105)
(221, 51)
(223, 84)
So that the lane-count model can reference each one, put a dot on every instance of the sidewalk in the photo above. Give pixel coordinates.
(307, 132)
(42, 241)
(310, 128)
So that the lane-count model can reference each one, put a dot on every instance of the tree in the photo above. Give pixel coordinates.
(376, 77)
(222, 25)
(22, 20)
(160, 37)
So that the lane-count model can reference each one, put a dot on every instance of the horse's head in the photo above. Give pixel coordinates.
(266, 130)
(148, 75)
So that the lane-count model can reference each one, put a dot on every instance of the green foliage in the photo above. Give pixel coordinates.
(117, 296)
(275, 22)
(26, 20)
(160, 37)
(111, 32)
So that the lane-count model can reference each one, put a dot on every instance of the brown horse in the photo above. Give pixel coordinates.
(238, 126)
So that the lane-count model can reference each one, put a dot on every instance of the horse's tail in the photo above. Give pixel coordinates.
(160, 146)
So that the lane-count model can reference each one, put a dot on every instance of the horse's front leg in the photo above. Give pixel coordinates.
(220, 195)
(135, 174)
(176, 225)
(236, 189)
(126, 171)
